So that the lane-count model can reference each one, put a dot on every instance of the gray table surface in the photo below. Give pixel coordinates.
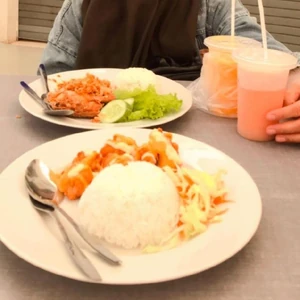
(268, 268)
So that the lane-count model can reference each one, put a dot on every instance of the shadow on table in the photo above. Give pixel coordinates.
(48, 130)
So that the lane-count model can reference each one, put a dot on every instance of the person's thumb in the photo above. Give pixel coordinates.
(293, 88)
(292, 94)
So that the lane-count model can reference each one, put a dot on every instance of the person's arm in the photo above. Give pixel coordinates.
(219, 23)
(63, 41)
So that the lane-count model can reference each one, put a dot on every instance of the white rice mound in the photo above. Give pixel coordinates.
(130, 206)
(135, 78)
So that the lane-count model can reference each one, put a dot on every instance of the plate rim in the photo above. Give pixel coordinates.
(255, 227)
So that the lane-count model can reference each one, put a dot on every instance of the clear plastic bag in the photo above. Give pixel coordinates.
(215, 92)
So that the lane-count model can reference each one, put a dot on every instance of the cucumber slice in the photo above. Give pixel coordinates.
(114, 111)
(129, 101)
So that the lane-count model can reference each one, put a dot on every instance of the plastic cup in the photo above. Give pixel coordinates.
(261, 88)
(219, 74)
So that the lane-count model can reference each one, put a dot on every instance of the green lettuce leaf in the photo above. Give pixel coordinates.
(150, 105)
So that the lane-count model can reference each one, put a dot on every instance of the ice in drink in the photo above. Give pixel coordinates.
(218, 82)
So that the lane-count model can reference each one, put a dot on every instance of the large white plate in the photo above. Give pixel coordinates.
(34, 238)
(166, 86)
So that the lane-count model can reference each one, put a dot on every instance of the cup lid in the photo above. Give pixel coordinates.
(229, 43)
(256, 57)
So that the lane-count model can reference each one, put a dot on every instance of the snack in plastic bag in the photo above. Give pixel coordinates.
(216, 90)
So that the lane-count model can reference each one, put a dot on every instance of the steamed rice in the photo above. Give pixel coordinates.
(130, 206)
(135, 79)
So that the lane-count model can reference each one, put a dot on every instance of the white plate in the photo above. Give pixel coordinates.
(166, 86)
(34, 238)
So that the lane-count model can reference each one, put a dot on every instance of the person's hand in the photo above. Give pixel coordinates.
(289, 130)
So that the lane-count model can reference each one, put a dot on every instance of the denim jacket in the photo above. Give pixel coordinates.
(214, 19)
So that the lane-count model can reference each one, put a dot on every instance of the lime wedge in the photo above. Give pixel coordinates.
(114, 111)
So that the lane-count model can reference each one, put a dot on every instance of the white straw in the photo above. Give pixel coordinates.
(233, 3)
(263, 28)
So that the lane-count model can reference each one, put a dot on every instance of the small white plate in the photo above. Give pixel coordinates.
(33, 236)
(166, 86)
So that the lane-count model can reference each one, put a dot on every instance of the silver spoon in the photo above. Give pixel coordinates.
(44, 190)
(74, 251)
(47, 109)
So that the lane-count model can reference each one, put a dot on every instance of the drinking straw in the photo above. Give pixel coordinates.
(263, 28)
(233, 4)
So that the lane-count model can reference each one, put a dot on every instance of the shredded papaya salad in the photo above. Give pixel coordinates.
(202, 195)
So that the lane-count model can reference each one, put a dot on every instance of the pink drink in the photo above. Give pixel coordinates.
(262, 81)
(253, 107)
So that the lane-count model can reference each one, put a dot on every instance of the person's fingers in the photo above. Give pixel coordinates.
(287, 112)
(288, 138)
(289, 127)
